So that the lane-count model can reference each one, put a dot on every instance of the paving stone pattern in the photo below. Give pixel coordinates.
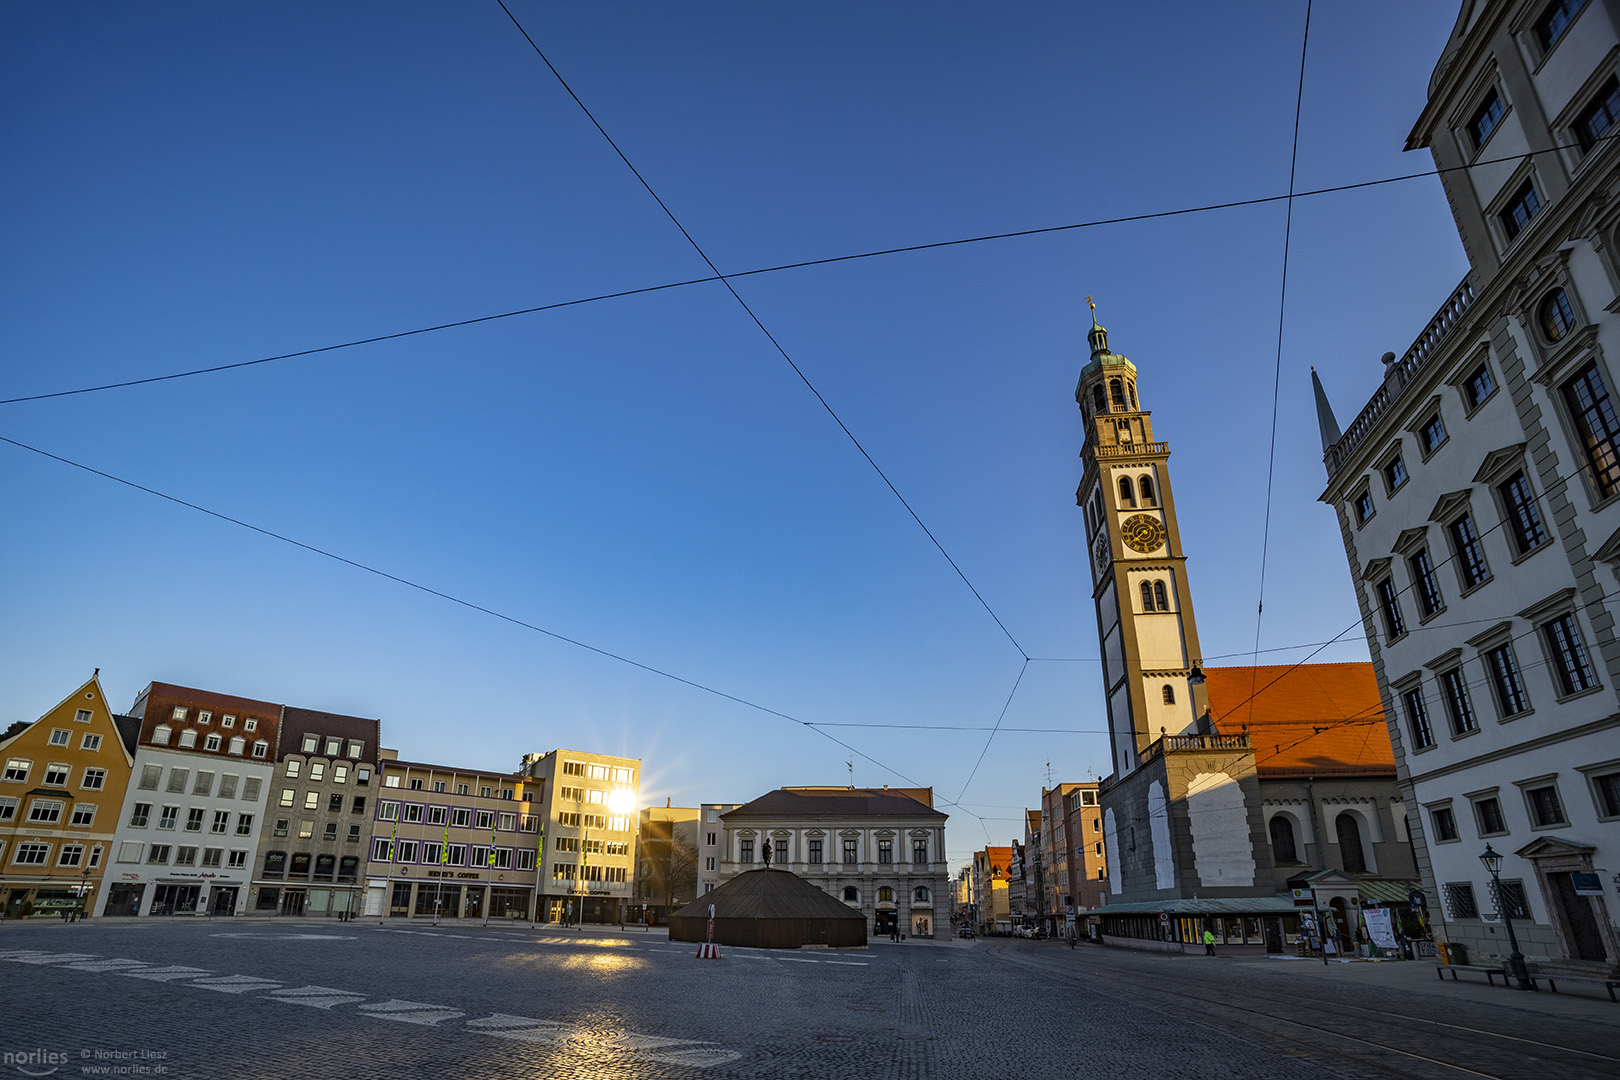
(205, 998)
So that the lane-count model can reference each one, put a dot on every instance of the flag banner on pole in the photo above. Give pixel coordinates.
(444, 852)
(492, 847)
(392, 836)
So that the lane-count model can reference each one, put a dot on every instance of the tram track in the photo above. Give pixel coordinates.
(1407, 1046)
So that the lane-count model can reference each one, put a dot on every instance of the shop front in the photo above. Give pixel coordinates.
(124, 899)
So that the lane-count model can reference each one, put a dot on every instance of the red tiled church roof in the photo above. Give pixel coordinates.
(1310, 720)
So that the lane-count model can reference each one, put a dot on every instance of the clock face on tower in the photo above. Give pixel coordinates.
(1143, 533)
(1101, 552)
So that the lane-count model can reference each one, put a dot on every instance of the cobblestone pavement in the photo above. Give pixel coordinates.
(306, 998)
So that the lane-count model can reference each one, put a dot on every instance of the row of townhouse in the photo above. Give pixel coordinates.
(196, 802)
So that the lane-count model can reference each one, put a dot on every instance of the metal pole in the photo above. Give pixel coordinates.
(1516, 965)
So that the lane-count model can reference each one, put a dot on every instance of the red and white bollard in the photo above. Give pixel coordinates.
(709, 950)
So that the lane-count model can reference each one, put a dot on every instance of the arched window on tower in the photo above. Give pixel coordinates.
(1097, 397)
(1127, 494)
(1147, 596)
(1159, 597)
(1116, 390)
(1169, 694)
(1350, 850)
(1146, 486)
(1284, 851)
(1130, 389)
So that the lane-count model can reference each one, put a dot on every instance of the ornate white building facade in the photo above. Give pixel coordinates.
(1478, 492)
(879, 850)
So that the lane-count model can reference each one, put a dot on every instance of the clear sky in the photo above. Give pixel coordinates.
(199, 184)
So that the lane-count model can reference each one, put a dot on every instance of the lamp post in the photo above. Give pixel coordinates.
(1515, 964)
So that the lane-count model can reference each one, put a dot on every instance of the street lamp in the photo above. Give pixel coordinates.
(1516, 968)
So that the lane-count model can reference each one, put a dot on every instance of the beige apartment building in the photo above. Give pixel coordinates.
(588, 802)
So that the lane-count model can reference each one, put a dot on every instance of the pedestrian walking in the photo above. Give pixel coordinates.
(1209, 942)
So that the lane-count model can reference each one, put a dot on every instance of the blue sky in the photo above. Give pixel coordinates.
(190, 185)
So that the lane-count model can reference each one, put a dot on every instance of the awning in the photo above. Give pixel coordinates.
(1385, 890)
(1226, 905)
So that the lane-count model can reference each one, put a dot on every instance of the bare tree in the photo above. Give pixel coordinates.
(680, 880)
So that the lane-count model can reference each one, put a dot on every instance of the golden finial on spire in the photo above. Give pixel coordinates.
(1092, 303)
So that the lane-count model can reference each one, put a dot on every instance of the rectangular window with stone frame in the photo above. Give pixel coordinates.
(1471, 565)
(1567, 653)
(1597, 427)
(1417, 718)
(1389, 603)
(1460, 900)
(1425, 585)
(1506, 683)
(1546, 808)
(1511, 901)
(1523, 517)
(1488, 816)
(1443, 823)
(1458, 706)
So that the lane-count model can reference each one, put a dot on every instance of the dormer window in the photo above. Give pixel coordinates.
(160, 735)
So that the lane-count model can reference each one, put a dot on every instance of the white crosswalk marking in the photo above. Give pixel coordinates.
(32, 957)
(317, 997)
(699, 1057)
(109, 965)
(166, 974)
(410, 1012)
(236, 984)
(523, 1028)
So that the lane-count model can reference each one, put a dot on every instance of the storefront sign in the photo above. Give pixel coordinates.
(1587, 884)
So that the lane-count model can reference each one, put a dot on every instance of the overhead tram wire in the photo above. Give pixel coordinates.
(735, 295)
(472, 606)
(778, 268)
(1004, 707)
(1276, 382)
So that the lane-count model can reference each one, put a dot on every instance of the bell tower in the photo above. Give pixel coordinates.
(1138, 570)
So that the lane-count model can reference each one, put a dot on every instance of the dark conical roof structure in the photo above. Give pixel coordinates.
(771, 909)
